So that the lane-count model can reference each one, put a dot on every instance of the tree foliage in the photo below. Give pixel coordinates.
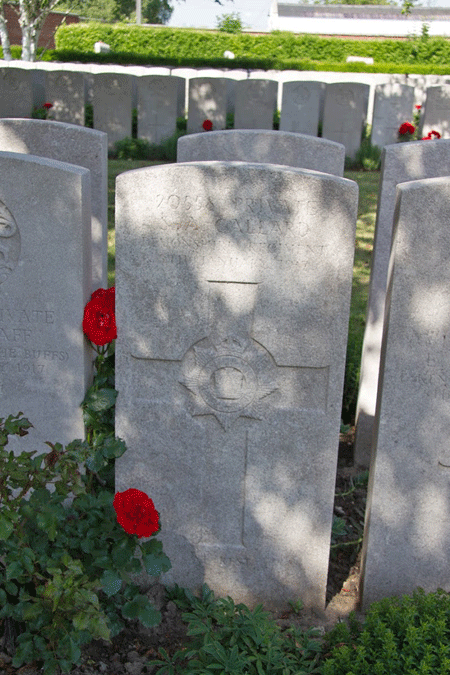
(32, 14)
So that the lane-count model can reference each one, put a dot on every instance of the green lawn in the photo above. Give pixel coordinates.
(368, 194)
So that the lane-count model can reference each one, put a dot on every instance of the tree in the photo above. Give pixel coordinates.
(4, 39)
(156, 11)
(32, 14)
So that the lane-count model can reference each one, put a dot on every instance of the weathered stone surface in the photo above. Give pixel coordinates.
(401, 162)
(345, 113)
(16, 92)
(45, 282)
(300, 107)
(65, 91)
(157, 106)
(112, 105)
(407, 537)
(436, 111)
(255, 104)
(393, 105)
(75, 145)
(207, 101)
(233, 286)
(268, 147)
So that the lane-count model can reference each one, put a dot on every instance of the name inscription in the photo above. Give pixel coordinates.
(20, 329)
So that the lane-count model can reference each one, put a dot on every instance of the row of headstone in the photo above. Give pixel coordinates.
(233, 286)
(341, 107)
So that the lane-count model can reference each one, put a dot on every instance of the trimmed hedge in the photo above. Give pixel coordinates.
(277, 50)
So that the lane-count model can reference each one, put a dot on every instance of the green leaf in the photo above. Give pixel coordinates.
(112, 583)
(101, 400)
(6, 528)
(141, 608)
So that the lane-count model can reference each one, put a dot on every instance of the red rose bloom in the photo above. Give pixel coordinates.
(406, 128)
(432, 133)
(417, 107)
(207, 125)
(136, 513)
(99, 320)
(47, 106)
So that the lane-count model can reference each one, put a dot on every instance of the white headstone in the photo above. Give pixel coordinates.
(407, 537)
(45, 282)
(207, 101)
(300, 107)
(345, 113)
(74, 145)
(112, 105)
(393, 105)
(267, 147)
(157, 107)
(233, 287)
(436, 111)
(400, 163)
(65, 91)
(256, 102)
(16, 92)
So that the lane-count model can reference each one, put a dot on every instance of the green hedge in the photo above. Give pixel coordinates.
(277, 50)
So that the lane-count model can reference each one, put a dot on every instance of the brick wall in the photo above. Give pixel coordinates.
(51, 23)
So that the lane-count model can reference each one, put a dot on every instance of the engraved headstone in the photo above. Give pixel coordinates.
(112, 105)
(75, 145)
(207, 101)
(400, 163)
(157, 106)
(407, 537)
(300, 107)
(65, 91)
(393, 105)
(233, 286)
(267, 147)
(255, 104)
(16, 92)
(345, 113)
(45, 282)
(436, 111)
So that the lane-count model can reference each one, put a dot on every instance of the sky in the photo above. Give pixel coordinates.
(254, 14)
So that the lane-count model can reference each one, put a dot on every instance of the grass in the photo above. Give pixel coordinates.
(368, 182)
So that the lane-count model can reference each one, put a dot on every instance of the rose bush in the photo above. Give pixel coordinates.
(64, 570)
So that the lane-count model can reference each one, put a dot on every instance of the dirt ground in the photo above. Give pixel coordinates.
(131, 652)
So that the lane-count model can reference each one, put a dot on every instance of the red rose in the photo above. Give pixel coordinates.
(430, 135)
(47, 106)
(99, 320)
(136, 513)
(417, 107)
(406, 128)
(207, 125)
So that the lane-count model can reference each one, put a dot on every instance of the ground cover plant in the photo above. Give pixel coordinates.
(400, 636)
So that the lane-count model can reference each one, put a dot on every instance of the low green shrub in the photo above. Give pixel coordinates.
(231, 639)
(400, 636)
(229, 23)
(89, 115)
(276, 50)
(139, 148)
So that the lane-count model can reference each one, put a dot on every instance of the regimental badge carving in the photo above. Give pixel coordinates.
(229, 378)
(9, 242)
